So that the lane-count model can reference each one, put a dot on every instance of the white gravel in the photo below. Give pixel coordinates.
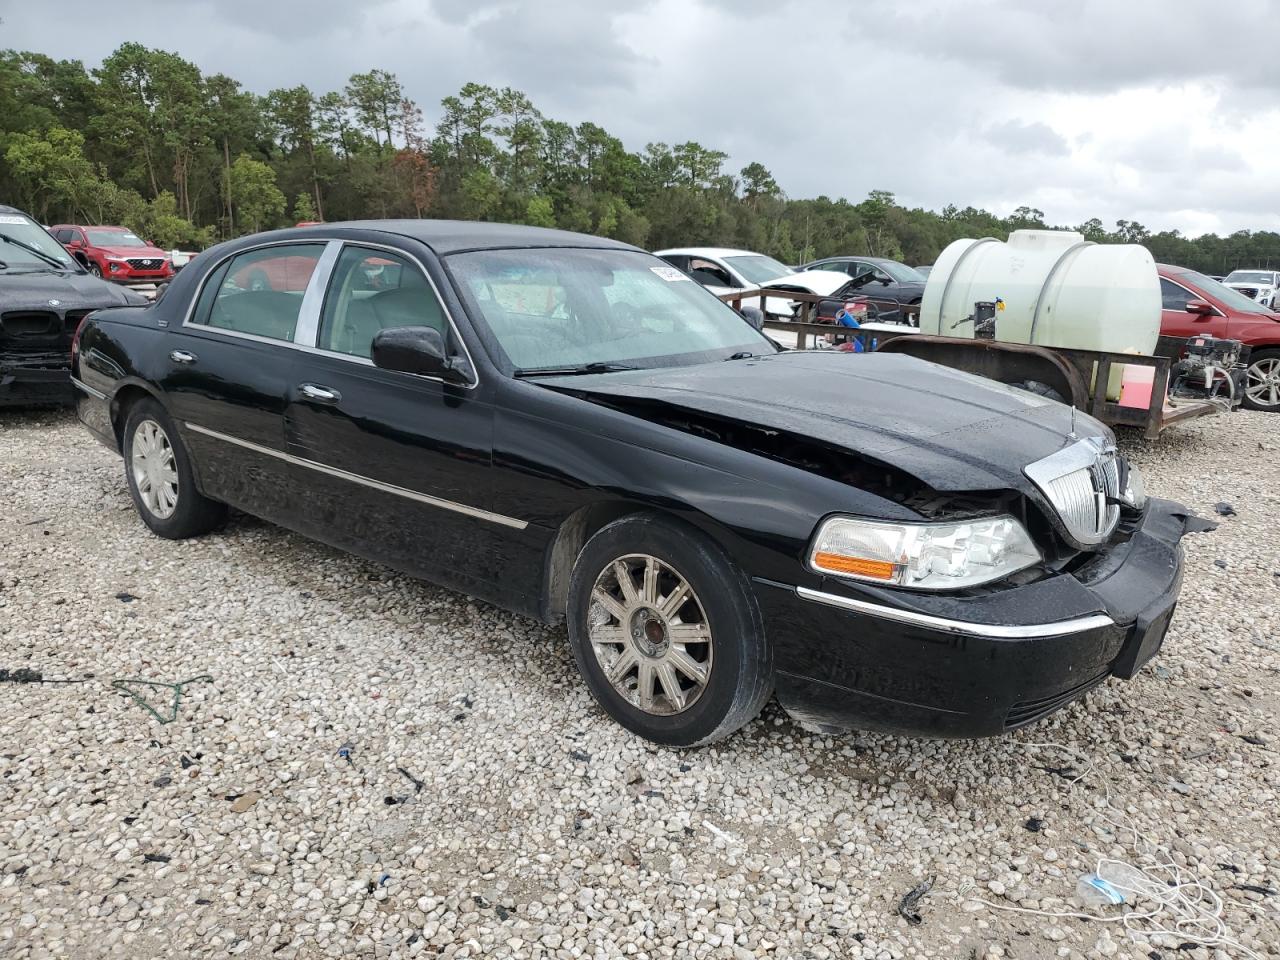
(541, 829)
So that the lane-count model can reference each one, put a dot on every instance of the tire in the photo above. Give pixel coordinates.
(1262, 381)
(1039, 389)
(168, 501)
(95, 269)
(735, 660)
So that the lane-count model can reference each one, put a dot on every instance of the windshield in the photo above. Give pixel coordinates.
(756, 268)
(901, 272)
(562, 308)
(27, 232)
(1231, 299)
(115, 238)
(1250, 276)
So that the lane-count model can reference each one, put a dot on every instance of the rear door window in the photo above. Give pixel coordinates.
(1174, 297)
(259, 292)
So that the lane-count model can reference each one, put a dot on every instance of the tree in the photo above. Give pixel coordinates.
(258, 201)
(50, 169)
(539, 212)
(758, 184)
(375, 98)
(303, 209)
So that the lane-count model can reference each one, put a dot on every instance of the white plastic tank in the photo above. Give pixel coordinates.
(1059, 290)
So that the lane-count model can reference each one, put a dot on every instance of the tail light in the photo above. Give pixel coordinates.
(75, 340)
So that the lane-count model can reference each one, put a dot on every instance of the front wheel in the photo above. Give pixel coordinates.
(95, 269)
(161, 482)
(1262, 381)
(667, 633)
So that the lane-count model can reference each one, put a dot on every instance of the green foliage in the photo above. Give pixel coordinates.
(303, 208)
(148, 141)
(257, 200)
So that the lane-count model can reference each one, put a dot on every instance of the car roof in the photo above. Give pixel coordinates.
(457, 236)
(708, 252)
(855, 257)
(7, 209)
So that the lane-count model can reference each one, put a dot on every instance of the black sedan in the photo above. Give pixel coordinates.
(572, 429)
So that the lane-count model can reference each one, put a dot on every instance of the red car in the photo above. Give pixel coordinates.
(114, 253)
(1194, 304)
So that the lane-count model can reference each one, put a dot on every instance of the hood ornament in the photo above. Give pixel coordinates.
(54, 303)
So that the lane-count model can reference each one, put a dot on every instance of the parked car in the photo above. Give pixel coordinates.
(44, 296)
(1258, 285)
(722, 270)
(885, 281)
(1193, 304)
(568, 427)
(114, 253)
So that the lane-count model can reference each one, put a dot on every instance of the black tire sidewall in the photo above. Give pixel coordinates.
(1250, 404)
(194, 514)
(740, 648)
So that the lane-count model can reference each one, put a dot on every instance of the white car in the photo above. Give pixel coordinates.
(1258, 285)
(722, 270)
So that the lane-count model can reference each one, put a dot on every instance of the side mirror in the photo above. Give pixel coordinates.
(885, 280)
(1203, 307)
(73, 242)
(753, 316)
(418, 350)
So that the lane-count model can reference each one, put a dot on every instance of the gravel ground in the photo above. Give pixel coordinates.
(278, 815)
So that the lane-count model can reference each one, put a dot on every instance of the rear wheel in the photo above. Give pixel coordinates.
(161, 482)
(666, 632)
(1262, 381)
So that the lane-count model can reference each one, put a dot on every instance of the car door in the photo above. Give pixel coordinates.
(229, 367)
(1177, 321)
(397, 466)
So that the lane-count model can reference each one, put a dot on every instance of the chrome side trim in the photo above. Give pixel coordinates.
(964, 628)
(363, 481)
(81, 385)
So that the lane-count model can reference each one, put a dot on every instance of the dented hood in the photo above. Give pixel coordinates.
(951, 430)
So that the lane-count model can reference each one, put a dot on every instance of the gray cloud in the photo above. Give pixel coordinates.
(1019, 136)
(995, 103)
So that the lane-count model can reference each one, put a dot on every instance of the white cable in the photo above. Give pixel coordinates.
(1181, 907)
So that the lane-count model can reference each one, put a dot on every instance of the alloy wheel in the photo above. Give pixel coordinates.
(155, 472)
(1262, 382)
(650, 634)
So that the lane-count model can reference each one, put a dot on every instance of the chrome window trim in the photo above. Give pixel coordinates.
(81, 385)
(364, 481)
(295, 343)
(965, 628)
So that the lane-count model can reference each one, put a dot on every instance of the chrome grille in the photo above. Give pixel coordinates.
(1082, 482)
(146, 264)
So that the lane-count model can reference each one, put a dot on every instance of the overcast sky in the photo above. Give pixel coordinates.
(1163, 111)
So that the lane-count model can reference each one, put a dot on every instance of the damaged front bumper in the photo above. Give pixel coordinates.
(36, 379)
(939, 666)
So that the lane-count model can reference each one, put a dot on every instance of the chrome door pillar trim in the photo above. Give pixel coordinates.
(304, 333)
(364, 481)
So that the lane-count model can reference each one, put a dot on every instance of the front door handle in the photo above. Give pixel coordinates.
(313, 391)
(182, 356)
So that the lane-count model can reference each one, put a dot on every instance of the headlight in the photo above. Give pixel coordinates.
(927, 556)
(1134, 493)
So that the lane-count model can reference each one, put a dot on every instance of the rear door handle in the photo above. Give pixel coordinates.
(313, 391)
(182, 356)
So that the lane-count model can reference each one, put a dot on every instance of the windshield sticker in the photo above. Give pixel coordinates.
(17, 221)
(670, 274)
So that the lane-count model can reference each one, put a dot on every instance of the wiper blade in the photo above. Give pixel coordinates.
(53, 261)
(573, 371)
(741, 355)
